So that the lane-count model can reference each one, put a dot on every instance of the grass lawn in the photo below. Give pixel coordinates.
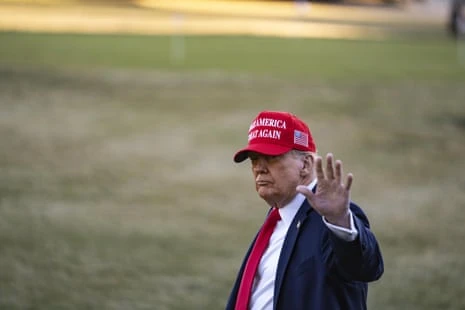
(117, 186)
(300, 58)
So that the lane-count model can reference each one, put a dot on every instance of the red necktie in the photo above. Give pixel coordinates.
(263, 238)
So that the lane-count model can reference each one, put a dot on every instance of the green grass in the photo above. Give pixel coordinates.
(402, 59)
(117, 187)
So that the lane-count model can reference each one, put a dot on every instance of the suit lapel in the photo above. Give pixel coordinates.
(288, 245)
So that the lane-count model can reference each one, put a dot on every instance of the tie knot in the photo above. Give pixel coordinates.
(274, 216)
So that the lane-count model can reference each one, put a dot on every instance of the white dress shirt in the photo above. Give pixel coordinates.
(263, 287)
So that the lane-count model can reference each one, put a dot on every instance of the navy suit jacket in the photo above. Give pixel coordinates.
(319, 271)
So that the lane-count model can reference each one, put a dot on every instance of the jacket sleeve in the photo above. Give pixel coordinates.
(358, 260)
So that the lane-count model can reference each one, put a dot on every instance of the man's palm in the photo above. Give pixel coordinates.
(331, 198)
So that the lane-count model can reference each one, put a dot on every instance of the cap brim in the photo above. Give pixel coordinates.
(266, 149)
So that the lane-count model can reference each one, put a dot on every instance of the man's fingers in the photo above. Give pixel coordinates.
(338, 175)
(319, 168)
(350, 178)
(329, 166)
(334, 171)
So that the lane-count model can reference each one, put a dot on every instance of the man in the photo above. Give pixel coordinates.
(315, 250)
(457, 18)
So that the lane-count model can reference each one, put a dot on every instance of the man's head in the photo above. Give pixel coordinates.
(281, 151)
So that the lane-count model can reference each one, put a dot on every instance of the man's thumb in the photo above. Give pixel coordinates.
(304, 190)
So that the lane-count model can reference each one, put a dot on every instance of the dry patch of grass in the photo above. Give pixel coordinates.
(118, 189)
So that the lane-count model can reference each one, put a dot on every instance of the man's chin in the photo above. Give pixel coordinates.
(267, 195)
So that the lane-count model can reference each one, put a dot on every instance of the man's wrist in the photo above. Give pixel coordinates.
(347, 234)
(341, 221)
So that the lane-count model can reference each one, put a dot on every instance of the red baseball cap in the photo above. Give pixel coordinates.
(275, 133)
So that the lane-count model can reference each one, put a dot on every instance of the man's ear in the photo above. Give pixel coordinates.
(307, 165)
(311, 158)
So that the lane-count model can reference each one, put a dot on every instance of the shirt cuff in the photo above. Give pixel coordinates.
(342, 232)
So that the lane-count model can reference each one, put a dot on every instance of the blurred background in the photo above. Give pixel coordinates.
(119, 120)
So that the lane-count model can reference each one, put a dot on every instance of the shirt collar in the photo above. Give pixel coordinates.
(289, 211)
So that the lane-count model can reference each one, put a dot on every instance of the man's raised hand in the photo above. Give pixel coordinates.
(332, 197)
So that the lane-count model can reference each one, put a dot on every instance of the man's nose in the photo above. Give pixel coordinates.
(260, 165)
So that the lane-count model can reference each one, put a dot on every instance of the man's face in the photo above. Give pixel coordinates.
(276, 177)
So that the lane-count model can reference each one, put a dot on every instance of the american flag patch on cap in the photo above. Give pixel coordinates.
(300, 138)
